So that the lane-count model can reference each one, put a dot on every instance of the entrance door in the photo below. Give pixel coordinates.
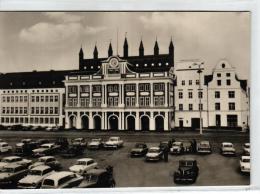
(113, 122)
(232, 120)
(195, 123)
(218, 120)
(130, 123)
(97, 123)
(181, 124)
(145, 124)
(159, 123)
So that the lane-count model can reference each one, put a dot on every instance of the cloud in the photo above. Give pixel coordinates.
(63, 17)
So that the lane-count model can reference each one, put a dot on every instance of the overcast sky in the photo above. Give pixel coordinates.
(51, 40)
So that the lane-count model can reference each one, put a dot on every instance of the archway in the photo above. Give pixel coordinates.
(130, 120)
(84, 122)
(159, 123)
(113, 122)
(72, 121)
(145, 123)
(97, 122)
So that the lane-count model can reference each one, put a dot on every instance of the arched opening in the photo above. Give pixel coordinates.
(84, 122)
(97, 122)
(72, 121)
(145, 123)
(159, 123)
(130, 123)
(113, 122)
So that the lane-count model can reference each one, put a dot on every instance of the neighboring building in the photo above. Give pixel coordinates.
(190, 96)
(32, 98)
(121, 92)
(228, 98)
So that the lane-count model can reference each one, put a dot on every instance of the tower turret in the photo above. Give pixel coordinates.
(81, 55)
(95, 53)
(110, 50)
(125, 48)
(156, 48)
(141, 49)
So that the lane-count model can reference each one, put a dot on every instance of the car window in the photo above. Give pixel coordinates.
(46, 171)
(19, 168)
(64, 180)
(35, 172)
(90, 162)
(48, 182)
(81, 163)
(51, 159)
(9, 170)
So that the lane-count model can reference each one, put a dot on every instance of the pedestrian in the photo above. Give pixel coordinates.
(165, 153)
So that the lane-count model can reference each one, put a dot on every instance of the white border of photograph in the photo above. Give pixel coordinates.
(168, 5)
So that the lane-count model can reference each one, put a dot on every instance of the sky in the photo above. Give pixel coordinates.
(51, 40)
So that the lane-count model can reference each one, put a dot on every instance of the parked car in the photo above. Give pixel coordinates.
(245, 164)
(165, 145)
(204, 147)
(140, 149)
(246, 149)
(63, 179)
(98, 178)
(154, 154)
(227, 148)
(34, 178)
(14, 160)
(46, 149)
(62, 142)
(187, 171)
(5, 147)
(83, 165)
(25, 149)
(49, 161)
(177, 148)
(72, 151)
(12, 173)
(114, 142)
(39, 142)
(94, 144)
(188, 148)
(79, 141)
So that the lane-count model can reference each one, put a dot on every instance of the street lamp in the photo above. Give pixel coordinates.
(200, 92)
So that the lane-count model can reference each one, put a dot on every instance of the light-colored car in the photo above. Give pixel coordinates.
(12, 173)
(50, 161)
(227, 148)
(63, 179)
(177, 148)
(95, 143)
(114, 142)
(46, 149)
(204, 147)
(79, 142)
(14, 160)
(246, 148)
(5, 147)
(245, 164)
(83, 165)
(35, 177)
(154, 154)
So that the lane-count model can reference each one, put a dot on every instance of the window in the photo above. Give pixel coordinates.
(144, 87)
(21, 110)
(46, 110)
(84, 102)
(32, 110)
(37, 98)
(144, 101)
(3, 99)
(183, 82)
(219, 82)
(56, 98)
(21, 98)
(200, 106)
(42, 98)
(24, 110)
(228, 74)
(228, 82)
(197, 82)
(190, 107)
(232, 120)
(12, 99)
(16, 98)
(190, 82)
(130, 87)
(180, 95)
(112, 101)
(231, 94)
(180, 106)
(46, 98)
(218, 74)
(158, 87)
(96, 88)
(8, 99)
(96, 102)
(51, 98)
(84, 89)
(37, 110)
(217, 94)
(25, 98)
(42, 110)
(51, 110)
(217, 106)
(130, 101)
(231, 106)
(3, 110)
(190, 94)
(159, 100)
(200, 94)
(72, 89)
(33, 98)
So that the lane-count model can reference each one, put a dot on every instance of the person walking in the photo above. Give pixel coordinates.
(165, 153)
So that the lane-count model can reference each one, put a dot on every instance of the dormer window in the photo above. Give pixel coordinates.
(23, 83)
(160, 64)
(152, 64)
(166, 64)
(85, 67)
(40, 83)
(223, 65)
(91, 67)
(145, 65)
(53, 82)
(137, 65)
(11, 83)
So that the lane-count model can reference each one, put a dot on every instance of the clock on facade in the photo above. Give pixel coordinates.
(113, 63)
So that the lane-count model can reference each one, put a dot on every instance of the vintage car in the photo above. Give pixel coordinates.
(14, 160)
(47, 160)
(94, 144)
(25, 149)
(39, 142)
(83, 165)
(188, 147)
(79, 142)
(245, 164)
(46, 149)
(12, 173)
(72, 151)
(35, 177)
(114, 142)
(62, 142)
(187, 172)
(227, 149)
(177, 148)
(98, 178)
(140, 149)
(204, 147)
(63, 179)
(154, 154)
(5, 147)
(165, 145)
(246, 149)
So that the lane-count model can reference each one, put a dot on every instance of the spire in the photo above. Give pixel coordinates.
(110, 50)
(81, 55)
(141, 49)
(156, 48)
(95, 53)
(125, 47)
(171, 48)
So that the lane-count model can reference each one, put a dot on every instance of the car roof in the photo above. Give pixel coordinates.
(48, 144)
(154, 148)
(46, 157)
(1, 143)
(227, 143)
(96, 171)
(204, 142)
(41, 167)
(58, 175)
(247, 144)
(12, 165)
(245, 157)
(11, 157)
(79, 138)
(85, 159)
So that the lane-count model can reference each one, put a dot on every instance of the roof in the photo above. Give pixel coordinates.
(85, 159)
(58, 175)
(12, 165)
(1, 143)
(11, 157)
(227, 143)
(41, 167)
(243, 83)
(46, 157)
(154, 148)
(34, 79)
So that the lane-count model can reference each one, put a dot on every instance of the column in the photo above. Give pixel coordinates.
(78, 121)
(123, 94)
(105, 95)
(166, 121)
(90, 95)
(67, 123)
(103, 121)
(166, 95)
(151, 90)
(152, 122)
(90, 118)
(105, 118)
(137, 121)
(137, 96)
(66, 96)
(78, 104)
(123, 120)
(120, 120)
